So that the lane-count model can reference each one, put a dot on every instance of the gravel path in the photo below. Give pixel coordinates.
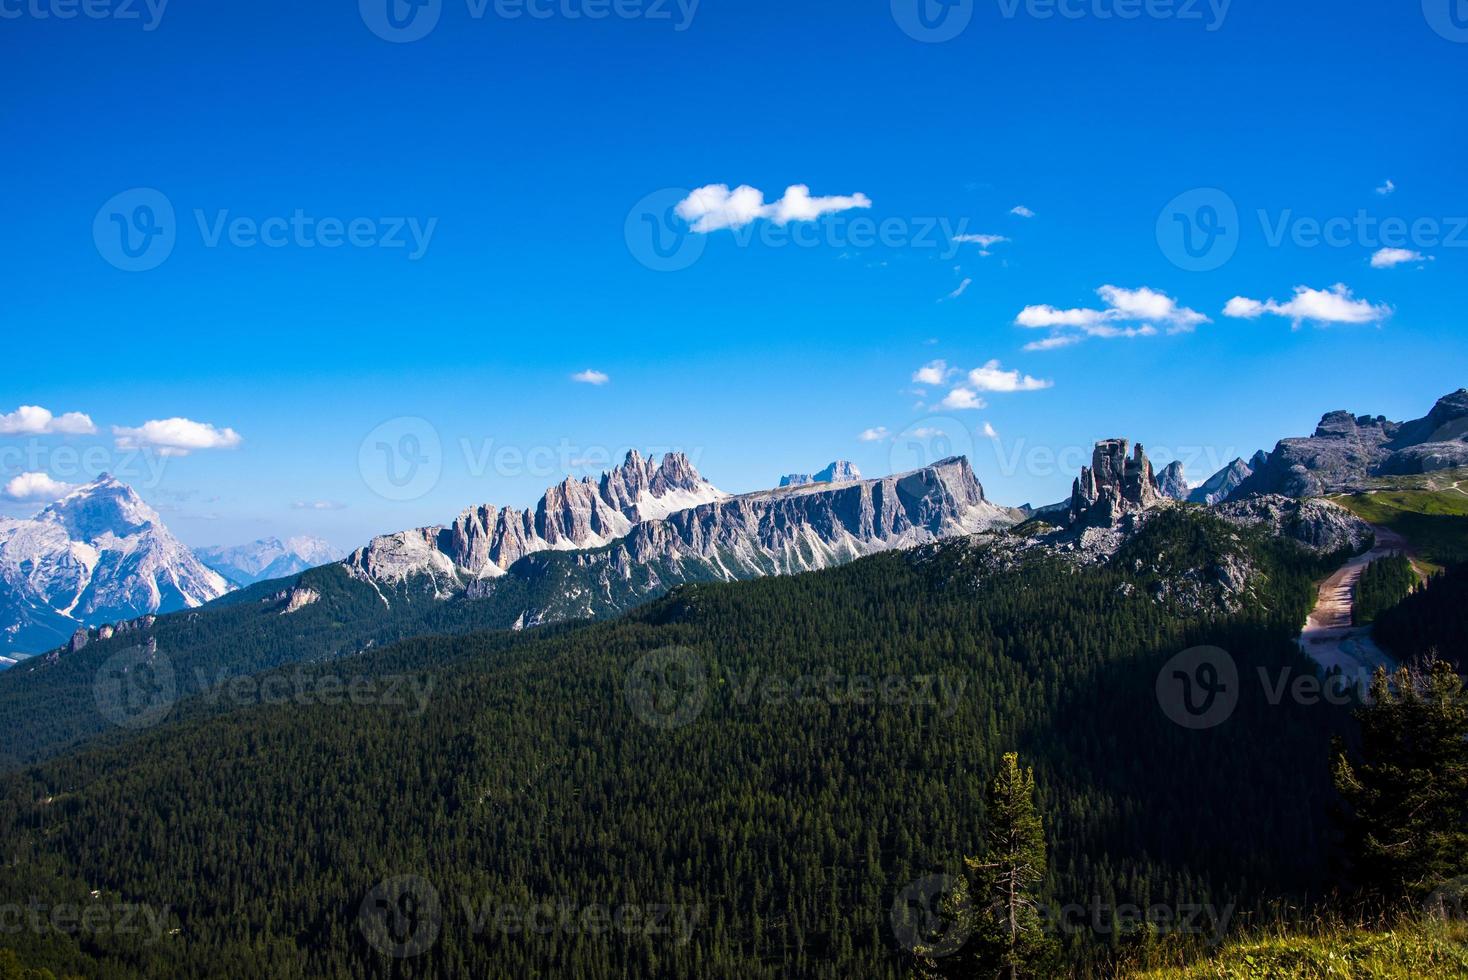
(1328, 636)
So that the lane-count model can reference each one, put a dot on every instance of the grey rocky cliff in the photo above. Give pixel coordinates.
(1347, 450)
(1114, 485)
(1172, 482)
(1317, 524)
(1220, 485)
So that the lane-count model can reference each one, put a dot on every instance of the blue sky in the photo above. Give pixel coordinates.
(521, 150)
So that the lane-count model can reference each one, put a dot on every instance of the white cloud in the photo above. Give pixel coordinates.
(1321, 306)
(1022, 211)
(1150, 306)
(591, 377)
(319, 505)
(962, 288)
(963, 398)
(991, 377)
(932, 373)
(925, 432)
(878, 434)
(1243, 308)
(36, 486)
(983, 241)
(175, 436)
(988, 431)
(1055, 342)
(33, 420)
(715, 206)
(1386, 188)
(1389, 258)
(1147, 307)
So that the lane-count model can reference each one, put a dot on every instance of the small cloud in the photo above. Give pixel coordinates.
(36, 486)
(985, 242)
(1320, 306)
(318, 505)
(1390, 258)
(1055, 342)
(715, 206)
(988, 431)
(33, 420)
(962, 287)
(591, 377)
(877, 434)
(932, 373)
(925, 432)
(175, 436)
(992, 377)
(1022, 211)
(1386, 188)
(961, 399)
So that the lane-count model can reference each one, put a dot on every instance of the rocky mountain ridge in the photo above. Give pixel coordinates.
(268, 558)
(1347, 450)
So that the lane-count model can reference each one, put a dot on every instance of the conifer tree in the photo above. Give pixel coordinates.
(1407, 791)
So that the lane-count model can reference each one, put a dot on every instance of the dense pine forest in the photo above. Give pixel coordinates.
(1432, 620)
(1384, 583)
(753, 772)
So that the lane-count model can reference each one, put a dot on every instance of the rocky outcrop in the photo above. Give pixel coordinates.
(1317, 524)
(1347, 450)
(300, 597)
(1172, 482)
(839, 471)
(1114, 485)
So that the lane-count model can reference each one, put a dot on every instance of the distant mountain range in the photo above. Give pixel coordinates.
(98, 555)
(598, 547)
(268, 558)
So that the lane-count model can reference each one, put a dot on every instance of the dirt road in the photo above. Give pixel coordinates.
(1328, 636)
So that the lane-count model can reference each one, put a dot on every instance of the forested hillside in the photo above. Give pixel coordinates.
(762, 768)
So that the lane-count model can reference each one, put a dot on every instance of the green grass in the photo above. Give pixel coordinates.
(1410, 951)
(1434, 522)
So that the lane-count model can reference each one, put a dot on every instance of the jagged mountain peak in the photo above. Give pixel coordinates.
(105, 505)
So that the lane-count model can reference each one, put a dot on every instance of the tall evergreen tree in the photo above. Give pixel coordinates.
(1009, 872)
(1407, 790)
